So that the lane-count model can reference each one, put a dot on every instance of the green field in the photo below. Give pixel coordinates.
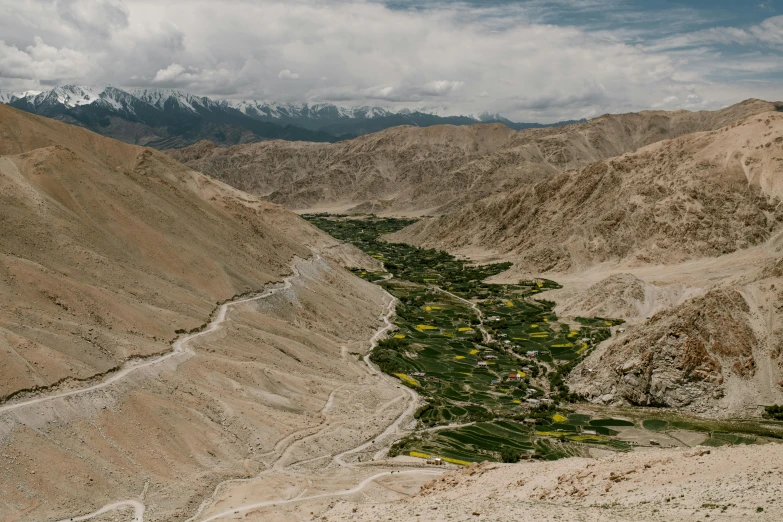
(438, 344)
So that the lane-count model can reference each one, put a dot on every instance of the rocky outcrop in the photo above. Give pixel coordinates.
(679, 358)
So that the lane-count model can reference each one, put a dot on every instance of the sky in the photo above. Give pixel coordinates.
(528, 60)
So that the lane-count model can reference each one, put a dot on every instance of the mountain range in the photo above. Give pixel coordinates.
(438, 169)
(166, 119)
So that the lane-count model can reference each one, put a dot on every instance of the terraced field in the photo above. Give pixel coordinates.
(491, 356)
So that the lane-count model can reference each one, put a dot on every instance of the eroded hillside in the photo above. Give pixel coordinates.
(438, 169)
(109, 253)
(108, 249)
(704, 194)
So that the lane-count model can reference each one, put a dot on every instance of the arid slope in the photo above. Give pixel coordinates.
(704, 194)
(739, 483)
(109, 248)
(437, 169)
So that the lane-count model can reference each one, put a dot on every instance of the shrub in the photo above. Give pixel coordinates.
(510, 455)
(774, 412)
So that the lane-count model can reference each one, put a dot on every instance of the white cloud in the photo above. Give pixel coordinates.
(506, 58)
(286, 74)
(768, 33)
(169, 74)
(42, 62)
(441, 87)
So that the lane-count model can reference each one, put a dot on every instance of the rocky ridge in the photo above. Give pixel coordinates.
(703, 194)
(439, 169)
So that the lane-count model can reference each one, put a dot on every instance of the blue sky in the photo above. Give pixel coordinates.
(651, 16)
(529, 60)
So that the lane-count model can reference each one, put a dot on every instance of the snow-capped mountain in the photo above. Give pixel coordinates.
(6, 96)
(159, 98)
(167, 118)
(159, 118)
(302, 110)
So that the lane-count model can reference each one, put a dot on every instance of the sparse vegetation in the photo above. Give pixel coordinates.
(774, 412)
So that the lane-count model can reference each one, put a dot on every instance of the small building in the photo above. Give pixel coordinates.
(514, 377)
(532, 402)
(435, 461)
(491, 357)
(532, 353)
(546, 401)
(418, 374)
(482, 364)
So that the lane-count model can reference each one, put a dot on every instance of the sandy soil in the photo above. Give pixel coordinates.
(275, 393)
(739, 483)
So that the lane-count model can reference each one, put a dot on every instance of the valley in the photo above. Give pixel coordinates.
(490, 361)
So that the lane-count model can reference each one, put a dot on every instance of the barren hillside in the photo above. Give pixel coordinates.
(109, 248)
(741, 483)
(704, 194)
(109, 253)
(437, 169)
(678, 238)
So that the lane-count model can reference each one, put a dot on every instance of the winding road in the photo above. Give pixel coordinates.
(414, 403)
(479, 313)
(363, 484)
(138, 511)
(179, 347)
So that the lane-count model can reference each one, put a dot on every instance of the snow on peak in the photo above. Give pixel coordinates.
(160, 97)
(7, 96)
(129, 101)
(70, 95)
(304, 110)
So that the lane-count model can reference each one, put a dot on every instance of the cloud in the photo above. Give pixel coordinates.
(403, 93)
(534, 60)
(42, 62)
(593, 95)
(440, 87)
(170, 74)
(767, 33)
(100, 17)
(286, 74)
